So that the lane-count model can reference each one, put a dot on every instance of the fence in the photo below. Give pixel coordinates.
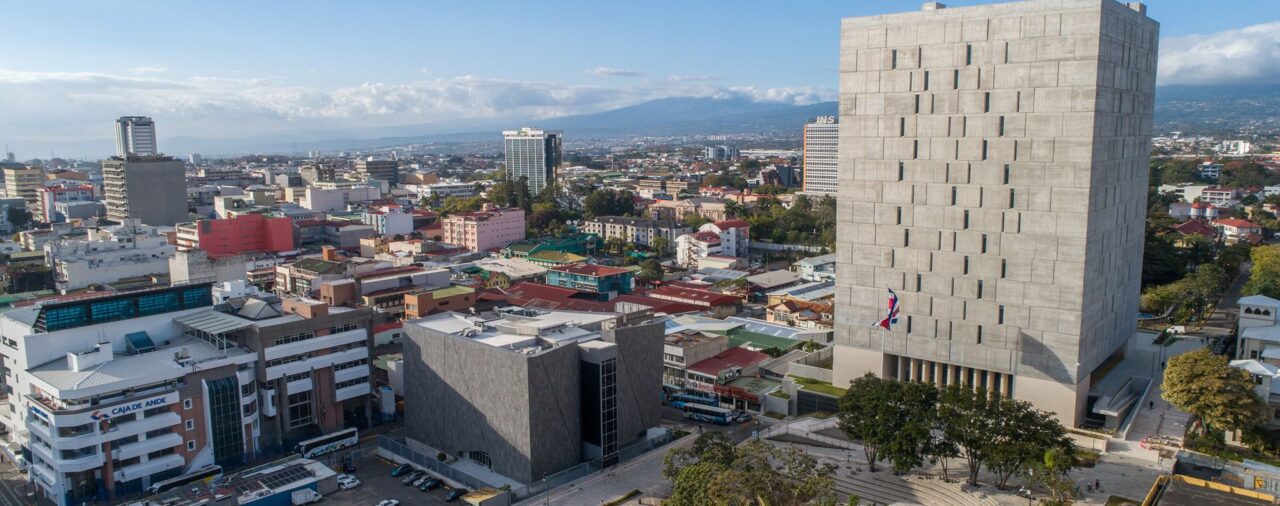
(768, 246)
(625, 453)
(428, 462)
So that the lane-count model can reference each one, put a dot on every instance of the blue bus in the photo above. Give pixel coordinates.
(710, 414)
(680, 400)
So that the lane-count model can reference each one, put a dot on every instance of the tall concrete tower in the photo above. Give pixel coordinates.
(135, 135)
(993, 174)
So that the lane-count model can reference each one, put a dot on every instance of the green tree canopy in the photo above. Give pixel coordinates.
(713, 471)
(1205, 385)
(1264, 276)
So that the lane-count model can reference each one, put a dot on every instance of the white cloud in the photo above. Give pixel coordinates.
(684, 79)
(612, 72)
(1244, 55)
(68, 106)
(146, 70)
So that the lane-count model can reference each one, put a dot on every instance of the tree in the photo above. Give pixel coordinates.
(523, 200)
(713, 471)
(1264, 275)
(914, 411)
(1205, 385)
(1051, 472)
(1022, 434)
(866, 414)
(661, 246)
(18, 217)
(650, 271)
(609, 203)
(967, 419)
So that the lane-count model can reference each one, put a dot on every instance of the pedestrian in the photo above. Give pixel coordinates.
(1097, 484)
(1151, 404)
(1162, 365)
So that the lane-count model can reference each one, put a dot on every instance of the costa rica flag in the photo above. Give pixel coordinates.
(891, 317)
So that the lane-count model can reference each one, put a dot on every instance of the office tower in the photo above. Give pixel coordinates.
(821, 140)
(533, 154)
(316, 172)
(152, 189)
(135, 135)
(24, 183)
(381, 170)
(993, 174)
(195, 159)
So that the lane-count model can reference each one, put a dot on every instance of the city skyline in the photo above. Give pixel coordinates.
(239, 73)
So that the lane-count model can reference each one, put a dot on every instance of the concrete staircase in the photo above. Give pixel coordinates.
(884, 489)
(1162, 421)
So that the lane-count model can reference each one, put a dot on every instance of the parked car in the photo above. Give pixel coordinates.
(1177, 329)
(389, 502)
(454, 494)
(412, 477)
(404, 468)
(347, 482)
(430, 484)
(418, 482)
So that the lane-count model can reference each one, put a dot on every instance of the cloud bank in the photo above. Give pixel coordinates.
(1249, 55)
(60, 106)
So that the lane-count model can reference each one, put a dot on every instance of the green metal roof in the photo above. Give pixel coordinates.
(451, 291)
(739, 337)
(557, 257)
(758, 386)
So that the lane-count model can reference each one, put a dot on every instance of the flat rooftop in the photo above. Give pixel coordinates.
(1179, 493)
(525, 331)
(123, 368)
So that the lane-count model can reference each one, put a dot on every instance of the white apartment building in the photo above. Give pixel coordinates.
(389, 220)
(533, 154)
(108, 254)
(108, 395)
(639, 231)
(821, 148)
(444, 190)
(335, 197)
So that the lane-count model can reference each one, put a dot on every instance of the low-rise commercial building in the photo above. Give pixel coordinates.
(531, 393)
(609, 282)
(389, 220)
(108, 254)
(245, 233)
(640, 231)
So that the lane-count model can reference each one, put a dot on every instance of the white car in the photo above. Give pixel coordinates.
(389, 502)
(348, 483)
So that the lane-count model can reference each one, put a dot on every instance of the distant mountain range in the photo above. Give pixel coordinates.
(1204, 109)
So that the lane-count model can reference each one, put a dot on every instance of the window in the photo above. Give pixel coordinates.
(979, 334)
(926, 83)
(984, 149)
(954, 195)
(968, 54)
(893, 59)
(1006, 173)
(301, 336)
(955, 79)
(299, 409)
(190, 424)
(899, 215)
(343, 328)
(296, 377)
(986, 103)
(288, 359)
(966, 219)
(350, 382)
(1000, 316)
(186, 404)
(984, 243)
(348, 365)
(1001, 132)
(979, 288)
(902, 171)
(966, 264)
(1012, 198)
(1004, 268)
(191, 446)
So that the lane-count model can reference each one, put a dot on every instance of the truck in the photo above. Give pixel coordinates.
(305, 496)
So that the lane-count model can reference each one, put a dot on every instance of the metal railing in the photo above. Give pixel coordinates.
(429, 462)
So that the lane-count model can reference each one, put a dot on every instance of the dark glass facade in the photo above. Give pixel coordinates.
(225, 423)
(79, 313)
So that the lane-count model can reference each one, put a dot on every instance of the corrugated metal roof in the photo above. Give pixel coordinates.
(213, 322)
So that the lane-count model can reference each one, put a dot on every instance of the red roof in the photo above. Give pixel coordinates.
(538, 295)
(590, 270)
(1253, 238)
(704, 298)
(728, 359)
(1196, 227)
(383, 327)
(1236, 222)
(732, 224)
(658, 305)
(707, 237)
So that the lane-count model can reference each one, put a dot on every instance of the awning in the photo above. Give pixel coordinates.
(213, 322)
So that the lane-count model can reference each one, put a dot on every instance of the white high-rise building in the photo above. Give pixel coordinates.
(821, 150)
(534, 154)
(993, 174)
(135, 135)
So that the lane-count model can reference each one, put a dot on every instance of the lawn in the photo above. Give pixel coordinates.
(821, 387)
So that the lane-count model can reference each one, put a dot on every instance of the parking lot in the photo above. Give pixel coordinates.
(378, 484)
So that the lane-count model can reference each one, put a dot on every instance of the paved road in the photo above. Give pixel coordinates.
(12, 484)
(1223, 319)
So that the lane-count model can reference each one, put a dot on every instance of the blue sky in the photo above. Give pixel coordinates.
(231, 69)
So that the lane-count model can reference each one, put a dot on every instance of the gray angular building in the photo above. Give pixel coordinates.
(993, 173)
(531, 393)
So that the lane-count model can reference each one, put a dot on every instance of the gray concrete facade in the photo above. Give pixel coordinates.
(520, 410)
(993, 173)
(152, 189)
(639, 378)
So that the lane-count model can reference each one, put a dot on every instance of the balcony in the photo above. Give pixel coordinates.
(147, 424)
(46, 475)
(131, 450)
(150, 467)
(352, 391)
